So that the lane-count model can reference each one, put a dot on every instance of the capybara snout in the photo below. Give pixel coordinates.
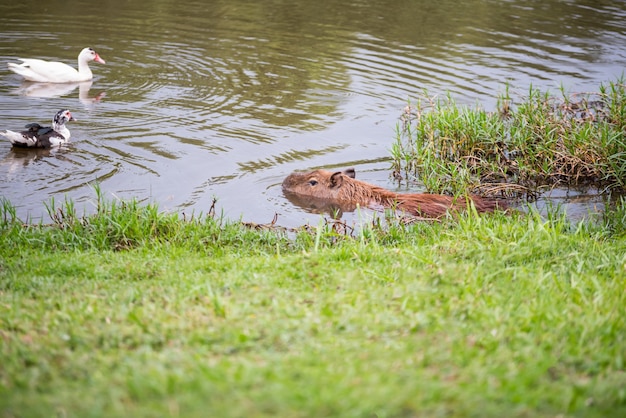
(343, 189)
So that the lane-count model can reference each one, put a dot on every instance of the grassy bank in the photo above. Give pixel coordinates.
(134, 312)
(522, 148)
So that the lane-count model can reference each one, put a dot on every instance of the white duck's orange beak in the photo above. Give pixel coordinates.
(98, 59)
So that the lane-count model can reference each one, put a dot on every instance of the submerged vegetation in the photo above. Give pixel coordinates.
(131, 311)
(519, 149)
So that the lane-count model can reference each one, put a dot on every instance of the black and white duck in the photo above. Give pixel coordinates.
(38, 136)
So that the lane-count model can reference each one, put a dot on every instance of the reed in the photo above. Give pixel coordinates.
(519, 149)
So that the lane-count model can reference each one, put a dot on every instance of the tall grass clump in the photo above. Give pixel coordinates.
(125, 225)
(543, 141)
(614, 220)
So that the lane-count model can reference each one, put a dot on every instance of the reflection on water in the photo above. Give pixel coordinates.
(226, 98)
(34, 89)
(319, 206)
(18, 159)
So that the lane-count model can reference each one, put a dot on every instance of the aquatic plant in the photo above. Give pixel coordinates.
(543, 141)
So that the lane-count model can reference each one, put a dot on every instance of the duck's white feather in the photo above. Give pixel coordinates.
(41, 71)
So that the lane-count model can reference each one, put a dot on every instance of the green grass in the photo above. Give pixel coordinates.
(135, 312)
(541, 142)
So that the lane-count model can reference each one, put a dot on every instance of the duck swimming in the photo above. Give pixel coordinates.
(57, 72)
(38, 136)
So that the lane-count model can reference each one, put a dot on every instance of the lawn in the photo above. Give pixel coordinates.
(484, 316)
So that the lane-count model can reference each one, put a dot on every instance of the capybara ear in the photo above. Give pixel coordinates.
(336, 179)
(350, 172)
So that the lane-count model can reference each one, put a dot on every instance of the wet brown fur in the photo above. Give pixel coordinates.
(347, 192)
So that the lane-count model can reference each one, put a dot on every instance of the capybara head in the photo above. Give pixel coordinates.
(321, 184)
(340, 188)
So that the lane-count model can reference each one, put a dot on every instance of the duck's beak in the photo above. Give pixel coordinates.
(98, 59)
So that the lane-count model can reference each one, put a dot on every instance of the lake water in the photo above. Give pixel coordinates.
(202, 99)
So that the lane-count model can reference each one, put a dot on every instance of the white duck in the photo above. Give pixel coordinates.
(38, 136)
(57, 72)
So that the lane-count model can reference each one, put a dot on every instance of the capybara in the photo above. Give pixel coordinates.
(342, 189)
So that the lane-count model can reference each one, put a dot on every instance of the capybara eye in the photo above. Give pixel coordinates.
(312, 182)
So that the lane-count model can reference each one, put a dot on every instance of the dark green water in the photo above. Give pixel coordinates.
(225, 98)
